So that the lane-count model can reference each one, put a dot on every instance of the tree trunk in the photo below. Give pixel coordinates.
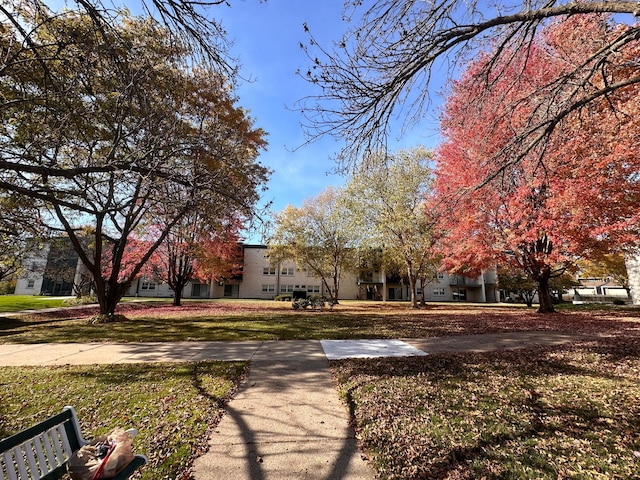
(108, 297)
(412, 287)
(177, 297)
(336, 286)
(544, 294)
(177, 283)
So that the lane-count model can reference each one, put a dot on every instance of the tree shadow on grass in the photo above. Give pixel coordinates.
(540, 405)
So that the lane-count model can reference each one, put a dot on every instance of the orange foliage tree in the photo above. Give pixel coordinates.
(538, 206)
(197, 248)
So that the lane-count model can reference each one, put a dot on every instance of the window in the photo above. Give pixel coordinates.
(268, 288)
(313, 289)
(440, 276)
(31, 283)
(288, 271)
(286, 288)
(147, 285)
(269, 271)
(438, 292)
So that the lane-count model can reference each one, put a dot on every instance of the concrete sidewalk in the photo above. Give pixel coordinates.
(286, 421)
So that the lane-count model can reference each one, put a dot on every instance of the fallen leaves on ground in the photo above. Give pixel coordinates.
(544, 413)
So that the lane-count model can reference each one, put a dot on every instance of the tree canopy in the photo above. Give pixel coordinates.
(384, 66)
(541, 207)
(203, 245)
(387, 199)
(107, 128)
(316, 236)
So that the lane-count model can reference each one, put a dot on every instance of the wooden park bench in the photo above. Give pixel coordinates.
(42, 451)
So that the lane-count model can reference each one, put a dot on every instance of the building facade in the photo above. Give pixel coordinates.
(262, 280)
(632, 262)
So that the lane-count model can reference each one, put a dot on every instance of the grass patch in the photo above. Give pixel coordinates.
(268, 320)
(571, 412)
(173, 405)
(15, 303)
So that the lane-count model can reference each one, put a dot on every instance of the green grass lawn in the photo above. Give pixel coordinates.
(267, 320)
(173, 405)
(562, 412)
(15, 303)
(542, 413)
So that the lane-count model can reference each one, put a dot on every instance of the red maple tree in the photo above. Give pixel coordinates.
(538, 207)
(196, 250)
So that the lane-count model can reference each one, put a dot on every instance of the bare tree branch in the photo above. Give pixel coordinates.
(383, 67)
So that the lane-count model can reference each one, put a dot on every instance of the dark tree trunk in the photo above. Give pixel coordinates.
(108, 296)
(544, 293)
(177, 297)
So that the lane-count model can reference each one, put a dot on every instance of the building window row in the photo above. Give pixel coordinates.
(298, 288)
(285, 272)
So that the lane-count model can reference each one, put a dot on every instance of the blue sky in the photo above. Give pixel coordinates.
(266, 38)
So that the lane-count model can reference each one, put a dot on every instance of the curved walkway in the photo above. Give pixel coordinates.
(286, 421)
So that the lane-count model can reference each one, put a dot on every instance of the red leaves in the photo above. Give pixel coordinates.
(579, 187)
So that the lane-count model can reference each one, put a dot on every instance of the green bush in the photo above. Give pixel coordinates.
(84, 300)
(283, 297)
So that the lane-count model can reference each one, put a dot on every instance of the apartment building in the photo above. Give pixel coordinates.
(262, 280)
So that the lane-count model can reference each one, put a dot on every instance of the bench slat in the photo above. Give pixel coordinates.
(51, 459)
(56, 438)
(8, 465)
(18, 457)
(42, 451)
(42, 461)
(31, 459)
(65, 441)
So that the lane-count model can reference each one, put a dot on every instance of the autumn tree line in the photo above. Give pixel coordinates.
(538, 169)
(115, 137)
(122, 132)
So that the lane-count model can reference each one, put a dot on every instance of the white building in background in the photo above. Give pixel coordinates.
(261, 280)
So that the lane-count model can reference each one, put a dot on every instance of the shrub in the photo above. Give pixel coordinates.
(283, 297)
(84, 300)
(314, 301)
(7, 287)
